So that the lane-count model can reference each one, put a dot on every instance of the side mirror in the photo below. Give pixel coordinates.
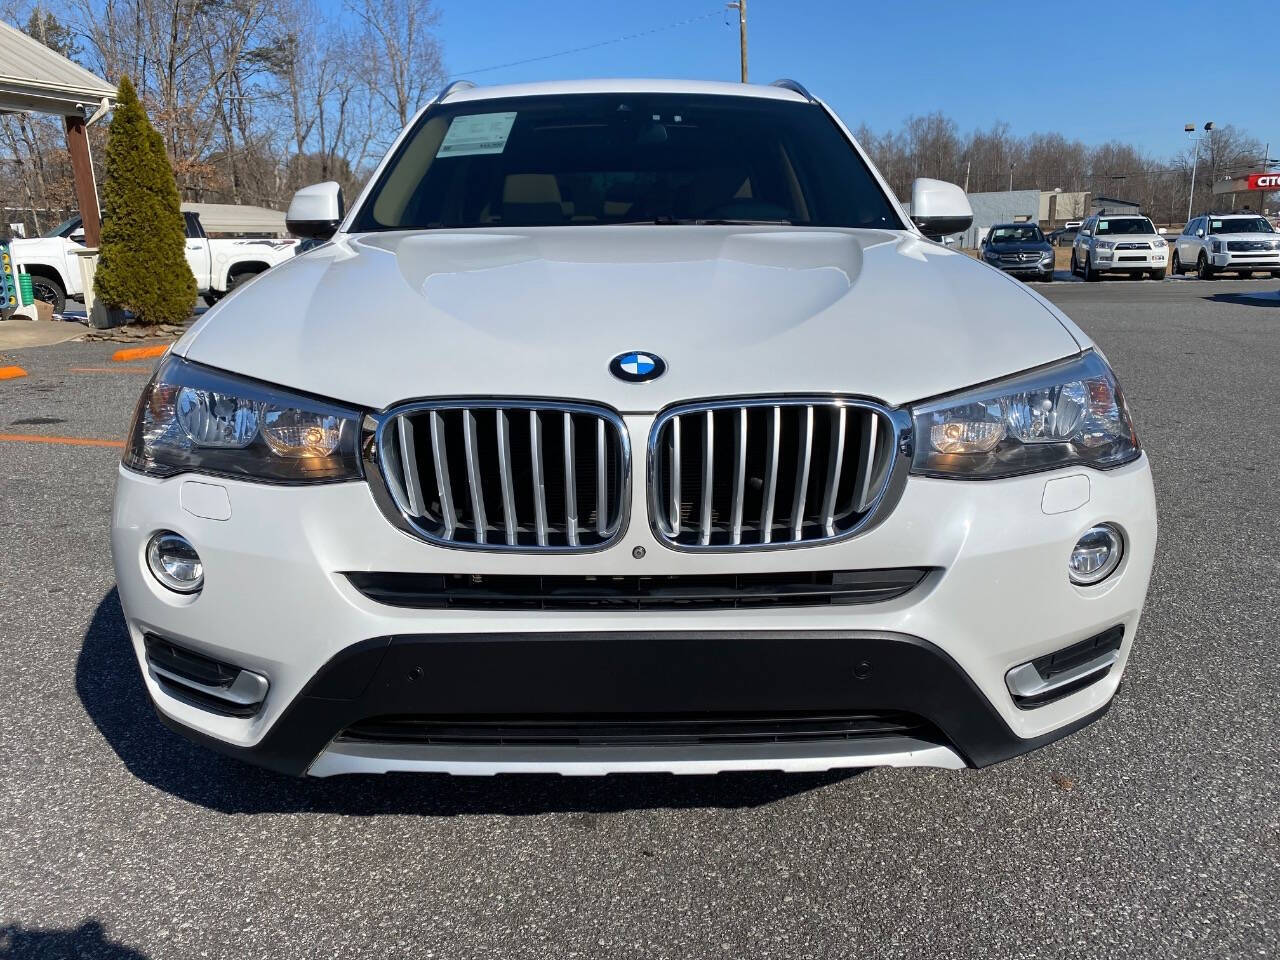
(939, 208)
(77, 236)
(1162, 231)
(316, 211)
(1199, 233)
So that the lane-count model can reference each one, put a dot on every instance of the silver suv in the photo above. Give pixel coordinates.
(1119, 244)
(1239, 242)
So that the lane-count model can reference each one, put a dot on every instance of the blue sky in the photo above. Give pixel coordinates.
(880, 62)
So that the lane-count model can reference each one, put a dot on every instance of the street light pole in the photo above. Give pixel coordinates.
(741, 7)
(1195, 161)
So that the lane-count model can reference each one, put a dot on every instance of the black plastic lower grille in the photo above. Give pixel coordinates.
(637, 730)
(184, 663)
(463, 591)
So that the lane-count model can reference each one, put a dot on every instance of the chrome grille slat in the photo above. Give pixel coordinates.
(834, 465)
(739, 473)
(761, 473)
(474, 483)
(708, 476)
(772, 440)
(804, 458)
(539, 480)
(440, 460)
(490, 482)
(570, 483)
(509, 520)
(409, 458)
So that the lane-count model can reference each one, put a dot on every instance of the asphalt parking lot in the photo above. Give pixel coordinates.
(1154, 833)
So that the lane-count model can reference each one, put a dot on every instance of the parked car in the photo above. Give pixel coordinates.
(1020, 249)
(1122, 243)
(660, 440)
(1244, 243)
(1063, 237)
(219, 264)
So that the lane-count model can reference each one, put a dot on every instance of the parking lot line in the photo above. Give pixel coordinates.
(66, 441)
(11, 373)
(139, 353)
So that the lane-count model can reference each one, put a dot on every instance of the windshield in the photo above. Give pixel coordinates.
(1028, 233)
(64, 229)
(1240, 225)
(625, 158)
(1128, 225)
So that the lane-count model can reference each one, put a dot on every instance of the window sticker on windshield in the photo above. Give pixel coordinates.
(477, 133)
(1103, 224)
(1217, 224)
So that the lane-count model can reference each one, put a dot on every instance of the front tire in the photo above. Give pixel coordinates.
(1090, 275)
(1203, 270)
(50, 290)
(1157, 274)
(1176, 265)
(1075, 267)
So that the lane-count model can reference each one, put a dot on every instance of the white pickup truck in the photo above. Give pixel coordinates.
(219, 264)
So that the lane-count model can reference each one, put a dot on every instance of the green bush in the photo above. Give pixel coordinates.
(142, 266)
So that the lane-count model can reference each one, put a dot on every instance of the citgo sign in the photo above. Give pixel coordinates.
(1264, 181)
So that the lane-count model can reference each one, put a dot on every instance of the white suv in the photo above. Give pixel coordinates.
(626, 426)
(1119, 244)
(1240, 242)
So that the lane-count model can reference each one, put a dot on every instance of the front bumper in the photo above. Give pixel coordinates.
(1257, 260)
(1043, 268)
(276, 603)
(1131, 260)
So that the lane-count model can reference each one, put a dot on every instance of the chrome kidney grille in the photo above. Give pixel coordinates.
(767, 473)
(505, 475)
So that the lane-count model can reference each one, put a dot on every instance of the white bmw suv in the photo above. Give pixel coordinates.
(1127, 244)
(631, 426)
(1243, 243)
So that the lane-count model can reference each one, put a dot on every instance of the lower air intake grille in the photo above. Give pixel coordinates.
(751, 474)
(637, 729)
(427, 591)
(505, 475)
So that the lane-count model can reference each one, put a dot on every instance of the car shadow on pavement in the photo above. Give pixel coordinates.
(1256, 298)
(86, 940)
(110, 687)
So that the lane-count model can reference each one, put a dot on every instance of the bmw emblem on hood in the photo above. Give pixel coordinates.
(636, 366)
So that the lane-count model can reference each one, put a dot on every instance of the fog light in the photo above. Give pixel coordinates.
(1096, 555)
(175, 563)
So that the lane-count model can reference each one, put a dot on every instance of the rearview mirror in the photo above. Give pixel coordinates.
(939, 208)
(315, 211)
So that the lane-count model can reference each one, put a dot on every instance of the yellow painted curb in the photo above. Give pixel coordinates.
(139, 353)
(11, 373)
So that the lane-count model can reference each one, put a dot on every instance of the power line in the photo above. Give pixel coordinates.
(591, 46)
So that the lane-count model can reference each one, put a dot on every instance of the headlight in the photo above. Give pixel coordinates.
(1046, 255)
(193, 418)
(1066, 414)
(1215, 246)
(1157, 243)
(991, 254)
(1104, 244)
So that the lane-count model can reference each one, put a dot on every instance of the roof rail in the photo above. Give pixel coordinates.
(794, 87)
(450, 88)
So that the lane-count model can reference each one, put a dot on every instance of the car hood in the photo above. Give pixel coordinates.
(378, 318)
(1267, 238)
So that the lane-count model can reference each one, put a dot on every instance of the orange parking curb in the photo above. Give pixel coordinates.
(146, 370)
(65, 441)
(11, 373)
(139, 353)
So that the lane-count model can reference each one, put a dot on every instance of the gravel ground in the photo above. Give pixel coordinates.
(1153, 833)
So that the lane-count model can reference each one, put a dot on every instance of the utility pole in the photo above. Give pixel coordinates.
(741, 7)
